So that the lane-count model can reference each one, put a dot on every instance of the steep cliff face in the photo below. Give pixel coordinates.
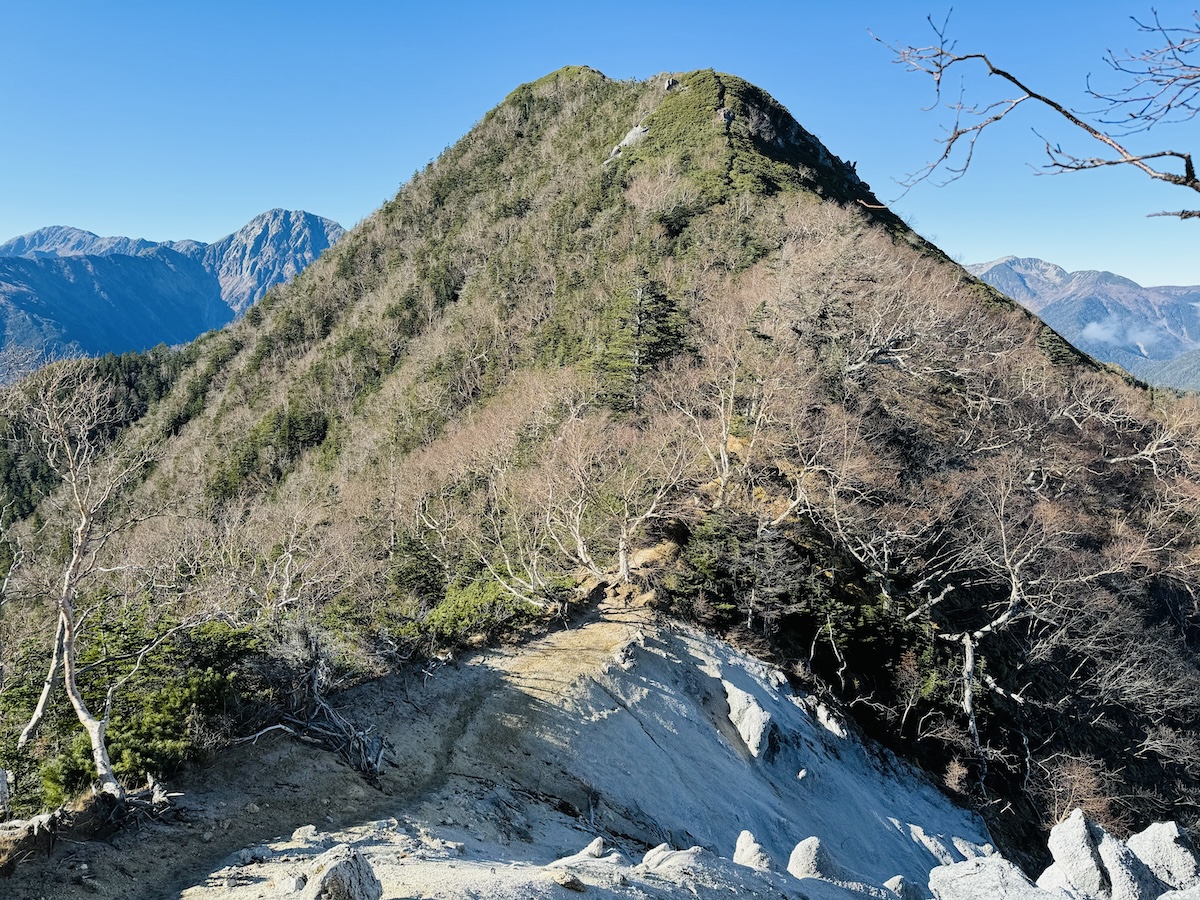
(271, 248)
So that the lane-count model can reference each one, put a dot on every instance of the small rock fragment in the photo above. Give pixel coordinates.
(568, 879)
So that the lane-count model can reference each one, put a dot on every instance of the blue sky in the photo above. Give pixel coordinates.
(174, 120)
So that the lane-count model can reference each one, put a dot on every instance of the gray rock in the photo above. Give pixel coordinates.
(342, 873)
(1091, 863)
(810, 859)
(985, 878)
(904, 889)
(1168, 853)
(750, 853)
(568, 880)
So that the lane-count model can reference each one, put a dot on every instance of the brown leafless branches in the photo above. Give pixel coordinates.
(1164, 88)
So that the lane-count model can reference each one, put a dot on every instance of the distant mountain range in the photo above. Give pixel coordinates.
(65, 288)
(1152, 332)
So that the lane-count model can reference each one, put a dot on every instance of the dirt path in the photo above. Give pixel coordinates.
(547, 668)
(473, 723)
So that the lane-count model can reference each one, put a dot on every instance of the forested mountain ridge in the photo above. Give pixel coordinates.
(649, 332)
(63, 287)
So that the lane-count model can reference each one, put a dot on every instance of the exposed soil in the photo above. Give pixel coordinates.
(464, 722)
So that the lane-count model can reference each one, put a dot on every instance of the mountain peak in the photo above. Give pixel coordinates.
(1108, 315)
(65, 240)
(66, 286)
(272, 247)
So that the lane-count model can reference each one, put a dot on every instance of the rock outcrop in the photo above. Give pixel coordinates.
(1168, 853)
(1092, 863)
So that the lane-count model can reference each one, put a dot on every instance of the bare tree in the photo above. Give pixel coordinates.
(1163, 87)
(71, 411)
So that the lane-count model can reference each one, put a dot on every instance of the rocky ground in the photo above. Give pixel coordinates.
(620, 757)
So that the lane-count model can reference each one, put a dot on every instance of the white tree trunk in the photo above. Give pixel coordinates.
(39, 711)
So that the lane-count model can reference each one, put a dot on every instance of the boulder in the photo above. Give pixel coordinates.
(342, 873)
(750, 853)
(985, 878)
(904, 889)
(1168, 853)
(810, 859)
(1089, 862)
(663, 860)
(569, 880)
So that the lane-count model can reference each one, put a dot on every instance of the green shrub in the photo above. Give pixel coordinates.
(481, 606)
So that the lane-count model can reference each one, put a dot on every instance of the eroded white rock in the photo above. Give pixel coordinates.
(342, 873)
(904, 889)
(1091, 863)
(749, 718)
(1168, 853)
(810, 859)
(985, 878)
(750, 853)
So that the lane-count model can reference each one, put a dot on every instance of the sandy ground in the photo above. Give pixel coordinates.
(663, 743)
(264, 792)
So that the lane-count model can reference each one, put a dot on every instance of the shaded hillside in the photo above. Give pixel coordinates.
(64, 287)
(655, 332)
(1182, 371)
(1142, 329)
(102, 303)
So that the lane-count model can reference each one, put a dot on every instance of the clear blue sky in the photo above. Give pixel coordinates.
(170, 120)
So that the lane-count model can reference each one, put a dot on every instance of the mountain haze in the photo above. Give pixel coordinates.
(62, 286)
(1113, 318)
(650, 340)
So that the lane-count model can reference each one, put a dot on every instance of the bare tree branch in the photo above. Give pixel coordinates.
(1164, 89)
